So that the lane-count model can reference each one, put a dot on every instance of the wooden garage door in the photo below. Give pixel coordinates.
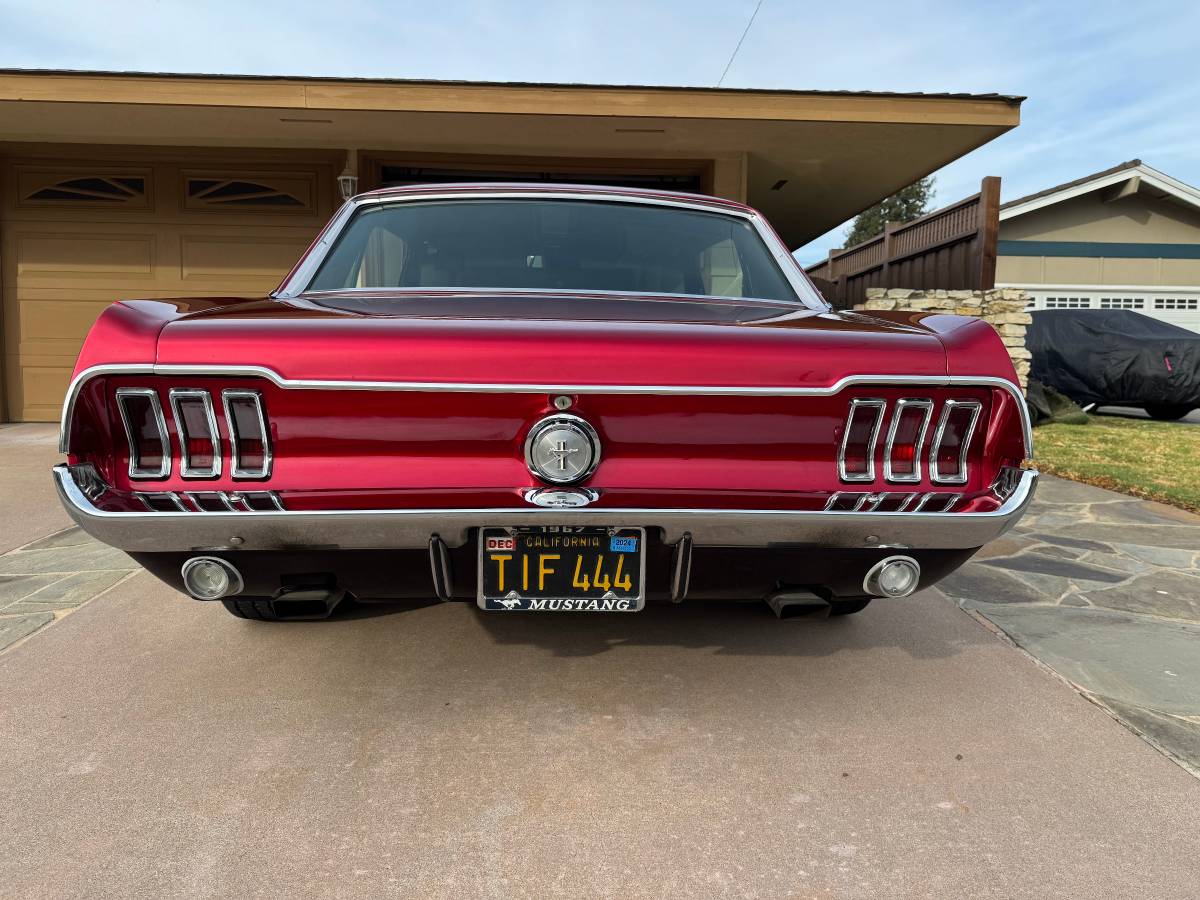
(77, 235)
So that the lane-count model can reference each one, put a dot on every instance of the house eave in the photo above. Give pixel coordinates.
(1148, 178)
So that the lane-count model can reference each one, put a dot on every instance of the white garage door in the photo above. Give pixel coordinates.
(1178, 306)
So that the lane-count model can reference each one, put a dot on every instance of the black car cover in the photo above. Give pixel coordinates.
(1114, 356)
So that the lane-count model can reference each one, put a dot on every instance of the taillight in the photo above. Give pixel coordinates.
(199, 440)
(856, 458)
(905, 438)
(146, 431)
(952, 441)
(249, 443)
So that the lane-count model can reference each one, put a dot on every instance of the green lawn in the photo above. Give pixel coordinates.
(1156, 460)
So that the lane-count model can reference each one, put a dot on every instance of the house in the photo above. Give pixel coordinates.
(1124, 238)
(138, 185)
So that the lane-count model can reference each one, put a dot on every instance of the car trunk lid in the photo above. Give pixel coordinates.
(553, 340)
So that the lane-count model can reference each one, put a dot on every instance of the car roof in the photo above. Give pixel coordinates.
(494, 187)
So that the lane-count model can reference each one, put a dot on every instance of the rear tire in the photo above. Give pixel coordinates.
(848, 607)
(258, 608)
(1167, 412)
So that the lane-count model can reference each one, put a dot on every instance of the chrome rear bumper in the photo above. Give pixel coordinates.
(148, 532)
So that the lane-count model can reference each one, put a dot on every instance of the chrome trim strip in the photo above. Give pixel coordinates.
(236, 469)
(1005, 482)
(214, 435)
(136, 470)
(439, 564)
(918, 446)
(872, 442)
(239, 503)
(877, 500)
(220, 496)
(463, 387)
(170, 496)
(948, 501)
(396, 528)
(681, 574)
(806, 295)
(961, 475)
(308, 264)
(793, 308)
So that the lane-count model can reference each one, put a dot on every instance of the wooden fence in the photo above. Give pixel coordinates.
(953, 248)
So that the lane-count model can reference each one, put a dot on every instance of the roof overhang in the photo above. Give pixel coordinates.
(1123, 181)
(810, 160)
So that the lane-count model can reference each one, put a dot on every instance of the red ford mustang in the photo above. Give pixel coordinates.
(542, 398)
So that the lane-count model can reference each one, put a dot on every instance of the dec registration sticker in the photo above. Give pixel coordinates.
(562, 569)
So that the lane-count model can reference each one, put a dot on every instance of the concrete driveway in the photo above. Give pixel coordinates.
(153, 746)
(1133, 412)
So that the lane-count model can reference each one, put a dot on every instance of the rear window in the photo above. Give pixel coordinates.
(552, 245)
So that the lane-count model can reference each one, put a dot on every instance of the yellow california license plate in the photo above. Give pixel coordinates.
(562, 569)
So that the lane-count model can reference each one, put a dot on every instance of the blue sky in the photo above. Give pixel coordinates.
(1106, 81)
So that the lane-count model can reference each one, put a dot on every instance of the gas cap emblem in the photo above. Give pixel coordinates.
(562, 449)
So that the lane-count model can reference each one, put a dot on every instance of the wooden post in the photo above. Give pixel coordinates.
(888, 228)
(835, 288)
(983, 263)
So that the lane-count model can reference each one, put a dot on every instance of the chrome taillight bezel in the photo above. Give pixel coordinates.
(962, 472)
(236, 469)
(913, 477)
(868, 403)
(136, 469)
(186, 469)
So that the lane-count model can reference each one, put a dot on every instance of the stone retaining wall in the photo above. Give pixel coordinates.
(1003, 309)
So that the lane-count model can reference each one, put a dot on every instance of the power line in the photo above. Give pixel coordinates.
(734, 54)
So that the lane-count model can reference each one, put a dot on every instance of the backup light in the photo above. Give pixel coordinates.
(210, 578)
(896, 576)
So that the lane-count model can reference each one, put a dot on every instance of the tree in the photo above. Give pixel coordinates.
(904, 206)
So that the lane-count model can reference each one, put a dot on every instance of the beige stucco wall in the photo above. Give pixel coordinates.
(1138, 219)
(729, 177)
(1030, 270)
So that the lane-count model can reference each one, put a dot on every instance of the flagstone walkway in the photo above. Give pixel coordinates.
(1104, 589)
(49, 578)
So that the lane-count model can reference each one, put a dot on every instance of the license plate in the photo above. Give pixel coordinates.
(562, 569)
